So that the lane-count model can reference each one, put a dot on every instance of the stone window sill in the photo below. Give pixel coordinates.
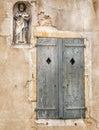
(58, 122)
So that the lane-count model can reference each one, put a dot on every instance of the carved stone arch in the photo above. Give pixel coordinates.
(22, 23)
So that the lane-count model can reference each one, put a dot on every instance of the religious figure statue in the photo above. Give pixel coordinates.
(21, 24)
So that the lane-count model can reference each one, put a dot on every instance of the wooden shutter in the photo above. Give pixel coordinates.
(73, 78)
(60, 78)
(47, 78)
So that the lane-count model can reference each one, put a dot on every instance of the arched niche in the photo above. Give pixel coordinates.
(22, 23)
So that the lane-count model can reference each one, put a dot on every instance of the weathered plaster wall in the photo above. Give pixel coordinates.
(15, 107)
(75, 15)
(18, 64)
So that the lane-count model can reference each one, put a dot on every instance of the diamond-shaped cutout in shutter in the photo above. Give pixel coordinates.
(72, 61)
(48, 60)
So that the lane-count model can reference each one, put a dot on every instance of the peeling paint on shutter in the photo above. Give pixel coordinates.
(47, 78)
(60, 78)
(73, 78)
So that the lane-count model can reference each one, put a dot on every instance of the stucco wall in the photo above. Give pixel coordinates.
(18, 64)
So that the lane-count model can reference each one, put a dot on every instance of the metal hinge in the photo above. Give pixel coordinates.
(75, 45)
(75, 108)
(45, 109)
(44, 44)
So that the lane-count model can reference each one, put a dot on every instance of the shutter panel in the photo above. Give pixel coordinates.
(73, 78)
(47, 78)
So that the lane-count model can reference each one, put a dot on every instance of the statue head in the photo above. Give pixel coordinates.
(21, 7)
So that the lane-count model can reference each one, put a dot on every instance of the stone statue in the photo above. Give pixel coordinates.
(21, 25)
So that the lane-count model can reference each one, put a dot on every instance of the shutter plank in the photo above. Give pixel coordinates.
(73, 78)
(60, 79)
(47, 78)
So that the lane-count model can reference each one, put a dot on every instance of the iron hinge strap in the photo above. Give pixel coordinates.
(74, 45)
(75, 108)
(44, 44)
(45, 109)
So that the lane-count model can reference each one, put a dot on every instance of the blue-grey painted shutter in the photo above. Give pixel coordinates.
(73, 78)
(60, 78)
(47, 78)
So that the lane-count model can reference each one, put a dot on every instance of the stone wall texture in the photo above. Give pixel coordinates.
(18, 64)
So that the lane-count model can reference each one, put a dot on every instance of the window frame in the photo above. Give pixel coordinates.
(86, 83)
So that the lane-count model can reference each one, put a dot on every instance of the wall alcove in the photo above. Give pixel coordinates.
(22, 20)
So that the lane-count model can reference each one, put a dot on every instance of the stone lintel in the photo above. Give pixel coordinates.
(52, 32)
